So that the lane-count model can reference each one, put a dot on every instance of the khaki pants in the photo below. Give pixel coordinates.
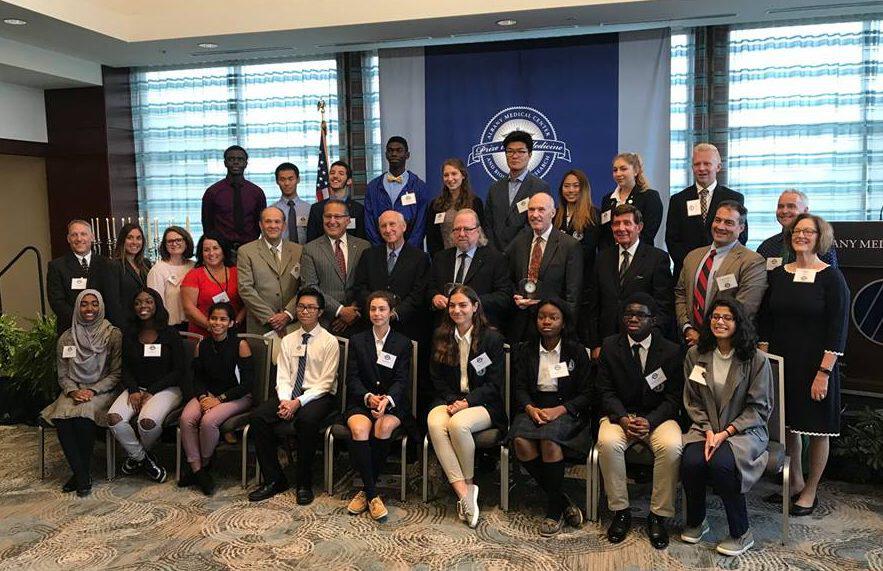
(452, 439)
(665, 442)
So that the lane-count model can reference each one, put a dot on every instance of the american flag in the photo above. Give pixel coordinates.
(322, 169)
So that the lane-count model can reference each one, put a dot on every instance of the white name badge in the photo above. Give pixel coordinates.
(78, 283)
(299, 350)
(726, 282)
(409, 198)
(173, 280)
(351, 225)
(804, 276)
(153, 350)
(481, 362)
(694, 208)
(656, 378)
(302, 221)
(386, 360)
(221, 297)
(558, 370)
(68, 352)
(521, 205)
(605, 216)
(295, 271)
(773, 263)
(440, 218)
(698, 375)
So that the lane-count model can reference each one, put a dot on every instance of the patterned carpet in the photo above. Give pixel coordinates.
(131, 523)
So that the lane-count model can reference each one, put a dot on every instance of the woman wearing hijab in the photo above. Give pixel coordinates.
(89, 362)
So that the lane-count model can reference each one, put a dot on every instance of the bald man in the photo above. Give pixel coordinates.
(269, 276)
(543, 262)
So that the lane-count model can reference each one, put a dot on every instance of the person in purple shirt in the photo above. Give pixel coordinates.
(232, 206)
(397, 189)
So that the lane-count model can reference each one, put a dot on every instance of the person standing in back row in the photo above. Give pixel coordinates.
(232, 206)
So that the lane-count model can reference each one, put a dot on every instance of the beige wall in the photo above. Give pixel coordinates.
(24, 220)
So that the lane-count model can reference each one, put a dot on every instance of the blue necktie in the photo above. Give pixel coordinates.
(391, 262)
(301, 370)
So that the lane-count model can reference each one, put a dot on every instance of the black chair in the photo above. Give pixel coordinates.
(340, 431)
(110, 448)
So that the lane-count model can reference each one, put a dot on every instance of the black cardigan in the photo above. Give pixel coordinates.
(153, 374)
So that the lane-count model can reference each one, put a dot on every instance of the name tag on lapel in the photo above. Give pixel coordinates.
(386, 360)
(351, 225)
(481, 363)
(698, 375)
(726, 282)
(694, 208)
(440, 218)
(295, 271)
(773, 263)
(68, 352)
(78, 283)
(558, 370)
(655, 378)
(409, 198)
(153, 350)
(521, 205)
(302, 221)
(605, 217)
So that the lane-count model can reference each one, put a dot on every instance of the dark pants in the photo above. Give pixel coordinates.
(721, 473)
(267, 429)
(77, 438)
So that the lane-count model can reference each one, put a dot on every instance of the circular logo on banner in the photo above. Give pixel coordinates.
(867, 312)
(546, 146)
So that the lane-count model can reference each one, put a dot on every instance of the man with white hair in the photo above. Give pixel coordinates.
(691, 210)
(791, 203)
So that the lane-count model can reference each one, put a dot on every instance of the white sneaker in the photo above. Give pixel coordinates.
(471, 505)
(736, 546)
(461, 512)
(694, 534)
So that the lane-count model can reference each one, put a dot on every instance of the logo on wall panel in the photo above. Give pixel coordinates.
(546, 146)
(867, 312)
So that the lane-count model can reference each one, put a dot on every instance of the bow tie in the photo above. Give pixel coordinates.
(390, 178)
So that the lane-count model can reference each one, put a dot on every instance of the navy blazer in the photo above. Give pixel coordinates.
(623, 388)
(365, 376)
(488, 275)
(574, 390)
(650, 205)
(485, 389)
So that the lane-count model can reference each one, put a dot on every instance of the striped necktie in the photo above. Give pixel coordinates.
(301, 370)
(701, 290)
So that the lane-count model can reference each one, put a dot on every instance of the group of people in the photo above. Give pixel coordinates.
(607, 344)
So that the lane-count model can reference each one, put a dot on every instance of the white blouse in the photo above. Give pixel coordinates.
(166, 280)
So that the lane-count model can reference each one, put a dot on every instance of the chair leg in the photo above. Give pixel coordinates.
(404, 483)
(111, 450)
(177, 453)
(596, 484)
(786, 498)
(504, 478)
(329, 464)
(589, 479)
(425, 468)
(244, 482)
(42, 431)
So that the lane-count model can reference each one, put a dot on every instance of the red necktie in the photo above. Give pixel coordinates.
(701, 289)
(536, 258)
(341, 261)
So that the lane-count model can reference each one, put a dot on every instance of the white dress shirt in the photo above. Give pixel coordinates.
(320, 375)
(463, 340)
(545, 382)
(644, 348)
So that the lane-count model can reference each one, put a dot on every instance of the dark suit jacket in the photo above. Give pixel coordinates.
(650, 205)
(434, 240)
(574, 390)
(561, 274)
(623, 388)
(684, 233)
(103, 276)
(648, 272)
(485, 389)
(488, 275)
(502, 220)
(407, 282)
(315, 226)
(365, 376)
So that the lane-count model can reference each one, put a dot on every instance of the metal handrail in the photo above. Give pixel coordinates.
(39, 275)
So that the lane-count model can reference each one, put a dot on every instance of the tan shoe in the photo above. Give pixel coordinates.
(377, 510)
(358, 504)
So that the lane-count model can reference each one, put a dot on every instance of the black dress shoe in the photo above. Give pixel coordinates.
(797, 510)
(619, 527)
(205, 481)
(656, 531)
(304, 496)
(70, 485)
(85, 489)
(267, 491)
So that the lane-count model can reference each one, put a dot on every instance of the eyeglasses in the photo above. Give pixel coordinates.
(174, 241)
(516, 152)
(463, 229)
(721, 317)
(306, 308)
(804, 232)
(637, 314)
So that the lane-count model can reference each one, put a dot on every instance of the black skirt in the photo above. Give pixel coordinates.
(568, 431)
(400, 412)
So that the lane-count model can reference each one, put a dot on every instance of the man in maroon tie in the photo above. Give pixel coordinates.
(726, 267)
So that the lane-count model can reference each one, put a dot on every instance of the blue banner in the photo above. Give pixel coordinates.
(563, 91)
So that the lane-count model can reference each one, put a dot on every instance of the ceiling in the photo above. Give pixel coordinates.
(166, 32)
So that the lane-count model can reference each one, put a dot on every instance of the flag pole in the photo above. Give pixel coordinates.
(322, 192)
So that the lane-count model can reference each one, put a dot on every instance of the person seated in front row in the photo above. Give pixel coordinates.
(729, 397)
(552, 379)
(467, 370)
(89, 358)
(223, 382)
(153, 369)
(640, 381)
(378, 386)
(306, 383)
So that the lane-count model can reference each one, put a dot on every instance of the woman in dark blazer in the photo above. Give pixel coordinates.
(552, 393)
(456, 195)
(133, 267)
(631, 188)
(378, 384)
(467, 370)
(728, 394)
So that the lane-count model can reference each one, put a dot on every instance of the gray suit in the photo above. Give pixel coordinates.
(320, 271)
(265, 286)
(502, 219)
(748, 267)
(746, 402)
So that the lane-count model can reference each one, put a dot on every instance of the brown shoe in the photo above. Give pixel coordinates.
(358, 504)
(377, 510)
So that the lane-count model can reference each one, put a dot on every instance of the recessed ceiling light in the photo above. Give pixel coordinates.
(207, 45)
(507, 22)
(14, 22)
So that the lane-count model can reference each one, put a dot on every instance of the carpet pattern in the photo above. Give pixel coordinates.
(132, 523)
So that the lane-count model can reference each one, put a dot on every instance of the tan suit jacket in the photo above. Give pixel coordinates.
(748, 267)
(265, 286)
